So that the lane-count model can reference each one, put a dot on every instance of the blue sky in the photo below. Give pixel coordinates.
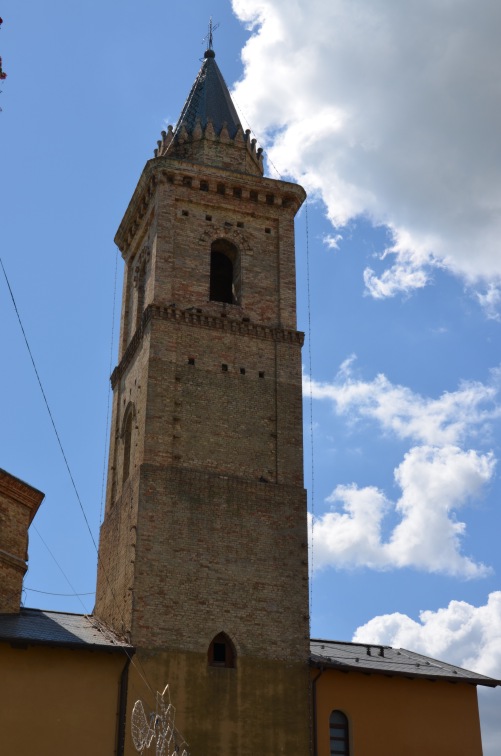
(390, 121)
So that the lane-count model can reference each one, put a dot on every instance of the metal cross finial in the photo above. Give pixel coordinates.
(209, 35)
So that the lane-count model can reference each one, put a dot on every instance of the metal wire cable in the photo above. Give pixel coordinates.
(106, 434)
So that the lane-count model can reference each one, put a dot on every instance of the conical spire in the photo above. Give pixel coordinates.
(209, 100)
(208, 130)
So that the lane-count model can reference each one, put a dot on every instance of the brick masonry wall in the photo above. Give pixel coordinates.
(18, 505)
(208, 531)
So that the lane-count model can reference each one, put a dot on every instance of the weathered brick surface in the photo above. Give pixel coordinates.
(18, 505)
(206, 533)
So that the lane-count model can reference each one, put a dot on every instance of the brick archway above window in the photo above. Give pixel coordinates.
(223, 232)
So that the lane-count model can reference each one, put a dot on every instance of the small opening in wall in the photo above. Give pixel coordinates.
(204, 186)
(270, 199)
(221, 652)
(240, 224)
(253, 196)
(221, 189)
(208, 217)
(224, 368)
(170, 178)
(184, 213)
(267, 230)
(191, 360)
(187, 181)
(261, 373)
(237, 192)
(242, 371)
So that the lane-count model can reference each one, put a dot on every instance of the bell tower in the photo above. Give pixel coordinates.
(203, 549)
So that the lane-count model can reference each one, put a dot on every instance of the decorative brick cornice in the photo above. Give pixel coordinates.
(13, 561)
(192, 317)
(20, 492)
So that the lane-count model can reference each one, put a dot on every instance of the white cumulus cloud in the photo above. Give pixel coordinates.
(391, 111)
(447, 419)
(437, 477)
(435, 483)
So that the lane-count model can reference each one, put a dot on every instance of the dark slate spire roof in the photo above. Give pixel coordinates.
(209, 99)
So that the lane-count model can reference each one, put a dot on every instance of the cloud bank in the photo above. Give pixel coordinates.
(437, 477)
(391, 111)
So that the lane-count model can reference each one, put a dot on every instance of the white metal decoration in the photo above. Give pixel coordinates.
(159, 727)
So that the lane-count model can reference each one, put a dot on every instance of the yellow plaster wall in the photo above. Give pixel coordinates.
(258, 708)
(55, 701)
(392, 716)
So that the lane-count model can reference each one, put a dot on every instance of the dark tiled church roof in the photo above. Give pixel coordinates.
(41, 628)
(209, 99)
(385, 660)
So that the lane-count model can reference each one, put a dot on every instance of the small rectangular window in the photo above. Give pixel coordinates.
(186, 181)
(204, 186)
(261, 373)
(267, 230)
(237, 192)
(224, 368)
(242, 371)
(253, 195)
(240, 224)
(221, 189)
(191, 360)
(208, 217)
(270, 199)
(184, 213)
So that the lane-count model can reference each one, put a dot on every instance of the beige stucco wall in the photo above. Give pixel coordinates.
(55, 701)
(392, 716)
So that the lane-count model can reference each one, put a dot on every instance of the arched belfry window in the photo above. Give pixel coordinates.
(224, 272)
(127, 441)
(339, 734)
(221, 652)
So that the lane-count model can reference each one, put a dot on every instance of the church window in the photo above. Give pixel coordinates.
(224, 272)
(141, 289)
(127, 442)
(339, 735)
(221, 652)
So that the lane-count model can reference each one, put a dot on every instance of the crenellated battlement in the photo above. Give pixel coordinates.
(212, 146)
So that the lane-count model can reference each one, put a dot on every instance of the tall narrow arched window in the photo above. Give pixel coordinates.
(221, 652)
(224, 272)
(141, 289)
(339, 734)
(127, 444)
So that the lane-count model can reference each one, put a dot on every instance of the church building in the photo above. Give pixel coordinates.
(203, 557)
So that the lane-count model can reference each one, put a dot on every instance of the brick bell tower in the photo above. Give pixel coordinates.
(203, 551)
